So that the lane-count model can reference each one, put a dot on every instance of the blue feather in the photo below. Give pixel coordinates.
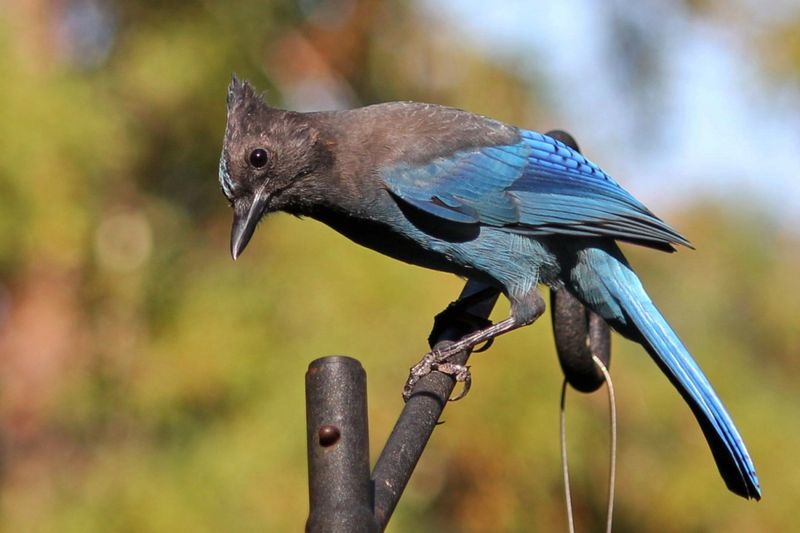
(536, 186)
(612, 289)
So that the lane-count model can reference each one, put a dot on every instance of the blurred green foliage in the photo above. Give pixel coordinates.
(147, 383)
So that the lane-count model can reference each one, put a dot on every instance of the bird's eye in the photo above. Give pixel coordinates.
(258, 157)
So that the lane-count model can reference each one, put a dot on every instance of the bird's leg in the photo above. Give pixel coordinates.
(436, 359)
(523, 312)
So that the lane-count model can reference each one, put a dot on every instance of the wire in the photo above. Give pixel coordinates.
(612, 476)
(612, 467)
(564, 462)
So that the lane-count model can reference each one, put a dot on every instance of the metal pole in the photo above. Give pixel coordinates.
(429, 397)
(340, 490)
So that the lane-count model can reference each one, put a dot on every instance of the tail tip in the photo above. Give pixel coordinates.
(747, 487)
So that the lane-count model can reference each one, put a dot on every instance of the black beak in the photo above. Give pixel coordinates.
(245, 220)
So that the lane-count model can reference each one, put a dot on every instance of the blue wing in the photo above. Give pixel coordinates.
(538, 186)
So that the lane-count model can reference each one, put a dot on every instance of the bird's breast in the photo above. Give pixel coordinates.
(405, 244)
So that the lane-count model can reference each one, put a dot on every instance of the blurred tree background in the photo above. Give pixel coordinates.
(148, 383)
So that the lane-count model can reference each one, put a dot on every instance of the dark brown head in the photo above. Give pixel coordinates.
(269, 161)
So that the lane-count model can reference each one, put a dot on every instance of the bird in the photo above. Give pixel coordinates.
(453, 191)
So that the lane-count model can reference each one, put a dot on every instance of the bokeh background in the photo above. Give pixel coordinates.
(148, 383)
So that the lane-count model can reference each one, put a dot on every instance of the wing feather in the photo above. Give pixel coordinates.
(537, 186)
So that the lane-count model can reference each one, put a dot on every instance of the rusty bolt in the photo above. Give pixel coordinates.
(329, 435)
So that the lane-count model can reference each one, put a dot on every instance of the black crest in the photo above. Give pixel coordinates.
(246, 110)
(242, 98)
(240, 92)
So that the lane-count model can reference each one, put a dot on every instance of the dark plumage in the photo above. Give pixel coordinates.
(445, 189)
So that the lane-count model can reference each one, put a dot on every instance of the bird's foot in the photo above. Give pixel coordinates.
(437, 360)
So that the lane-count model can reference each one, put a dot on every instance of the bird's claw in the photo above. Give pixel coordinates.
(436, 360)
(417, 372)
(461, 374)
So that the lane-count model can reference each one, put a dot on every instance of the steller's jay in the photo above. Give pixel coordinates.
(448, 190)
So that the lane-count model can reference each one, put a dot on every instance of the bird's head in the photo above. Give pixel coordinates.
(269, 161)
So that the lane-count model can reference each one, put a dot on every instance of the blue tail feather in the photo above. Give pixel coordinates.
(610, 287)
